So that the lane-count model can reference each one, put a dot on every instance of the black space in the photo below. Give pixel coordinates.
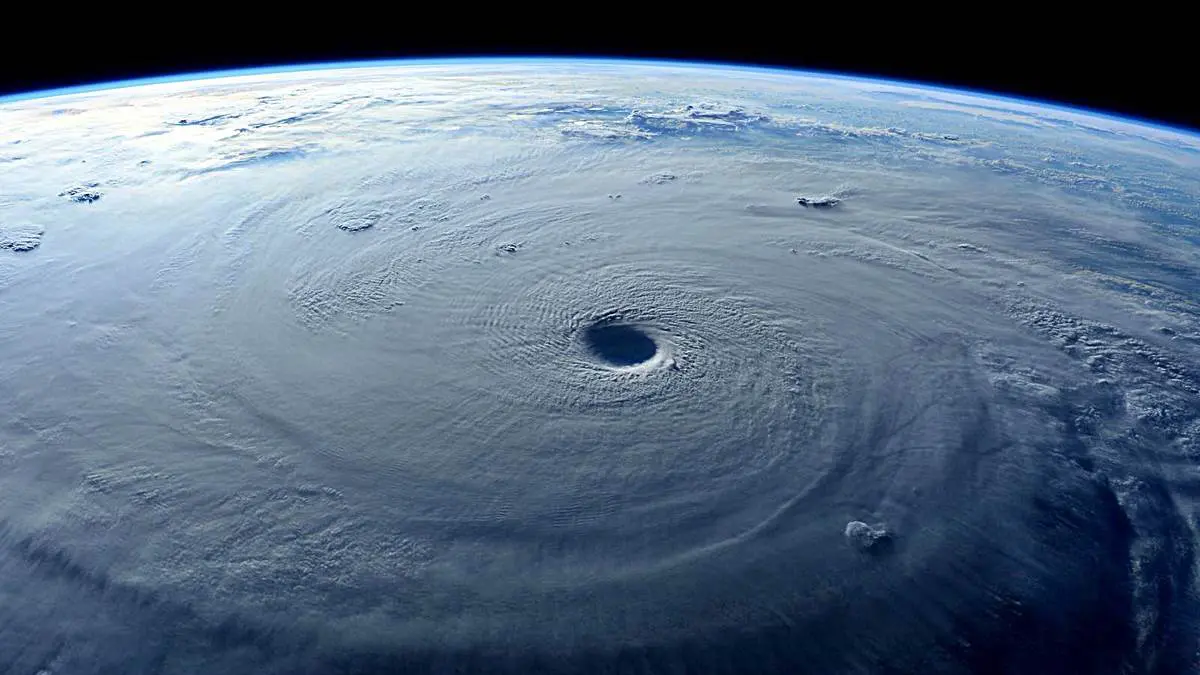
(1127, 67)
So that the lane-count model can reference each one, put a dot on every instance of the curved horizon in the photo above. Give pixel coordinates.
(300, 67)
(521, 364)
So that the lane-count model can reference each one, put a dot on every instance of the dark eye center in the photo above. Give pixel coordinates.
(620, 344)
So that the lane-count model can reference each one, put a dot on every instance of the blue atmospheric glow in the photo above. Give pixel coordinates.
(610, 61)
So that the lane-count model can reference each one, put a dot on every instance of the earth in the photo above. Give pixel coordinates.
(568, 366)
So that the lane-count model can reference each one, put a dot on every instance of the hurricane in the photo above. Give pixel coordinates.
(570, 366)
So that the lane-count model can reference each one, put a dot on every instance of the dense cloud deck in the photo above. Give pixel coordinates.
(588, 367)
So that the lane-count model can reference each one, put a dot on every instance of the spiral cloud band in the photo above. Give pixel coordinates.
(594, 367)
